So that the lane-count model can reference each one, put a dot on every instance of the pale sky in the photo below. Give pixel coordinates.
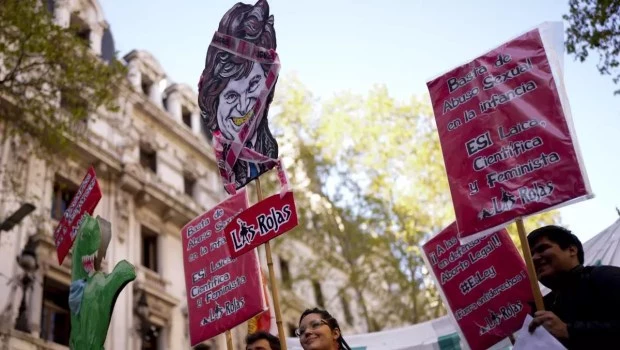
(336, 45)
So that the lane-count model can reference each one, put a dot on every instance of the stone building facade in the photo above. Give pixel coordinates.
(156, 171)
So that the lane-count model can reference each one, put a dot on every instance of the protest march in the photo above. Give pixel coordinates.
(248, 210)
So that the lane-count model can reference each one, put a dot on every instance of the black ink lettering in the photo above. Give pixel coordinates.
(541, 162)
(498, 99)
(453, 102)
(478, 143)
(502, 59)
(456, 83)
(453, 125)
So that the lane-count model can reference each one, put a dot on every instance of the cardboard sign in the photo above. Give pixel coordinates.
(484, 284)
(260, 223)
(235, 90)
(222, 292)
(84, 201)
(506, 135)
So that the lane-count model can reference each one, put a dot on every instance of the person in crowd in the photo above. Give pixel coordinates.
(582, 310)
(318, 330)
(262, 341)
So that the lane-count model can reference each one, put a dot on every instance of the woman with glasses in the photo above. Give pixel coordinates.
(318, 330)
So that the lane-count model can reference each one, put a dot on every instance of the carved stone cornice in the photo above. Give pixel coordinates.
(161, 303)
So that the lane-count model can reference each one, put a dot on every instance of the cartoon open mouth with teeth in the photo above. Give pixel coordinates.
(93, 293)
(237, 101)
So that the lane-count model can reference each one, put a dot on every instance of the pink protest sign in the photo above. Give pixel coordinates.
(235, 90)
(262, 222)
(84, 201)
(484, 284)
(222, 292)
(506, 135)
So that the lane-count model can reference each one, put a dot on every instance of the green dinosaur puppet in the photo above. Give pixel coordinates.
(93, 293)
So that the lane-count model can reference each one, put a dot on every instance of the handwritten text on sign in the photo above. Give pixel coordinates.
(222, 292)
(506, 142)
(484, 283)
(260, 223)
(84, 201)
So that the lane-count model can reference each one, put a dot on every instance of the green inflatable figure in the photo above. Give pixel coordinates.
(93, 293)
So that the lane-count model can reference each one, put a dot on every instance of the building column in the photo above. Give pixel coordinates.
(196, 122)
(36, 302)
(134, 75)
(173, 103)
(155, 93)
(62, 13)
(96, 35)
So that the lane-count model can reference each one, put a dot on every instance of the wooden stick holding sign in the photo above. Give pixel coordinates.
(229, 342)
(531, 272)
(272, 280)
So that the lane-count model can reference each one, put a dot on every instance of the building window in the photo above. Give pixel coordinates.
(149, 249)
(80, 28)
(148, 159)
(147, 85)
(189, 184)
(61, 197)
(151, 340)
(286, 274)
(55, 316)
(318, 294)
(345, 309)
(187, 118)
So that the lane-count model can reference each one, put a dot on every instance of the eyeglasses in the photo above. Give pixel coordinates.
(312, 326)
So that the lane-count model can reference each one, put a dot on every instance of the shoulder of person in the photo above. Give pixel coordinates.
(604, 274)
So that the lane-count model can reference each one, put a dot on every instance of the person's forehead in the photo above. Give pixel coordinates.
(543, 241)
(260, 345)
(310, 317)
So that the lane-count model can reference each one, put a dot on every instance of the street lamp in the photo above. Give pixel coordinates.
(17, 217)
(28, 262)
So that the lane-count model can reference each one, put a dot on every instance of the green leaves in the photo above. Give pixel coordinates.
(595, 25)
(371, 188)
(50, 80)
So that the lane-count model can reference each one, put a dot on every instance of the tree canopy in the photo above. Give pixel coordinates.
(594, 25)
(371, 188)
(50, 79)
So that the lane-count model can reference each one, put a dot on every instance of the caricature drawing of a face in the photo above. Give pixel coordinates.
(236, 102)
(230, 85)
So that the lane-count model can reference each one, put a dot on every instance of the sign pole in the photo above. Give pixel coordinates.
(531, 272)
(229, 342)
(272, 280)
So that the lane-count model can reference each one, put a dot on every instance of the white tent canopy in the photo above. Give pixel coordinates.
(421, 336)
(604, 249)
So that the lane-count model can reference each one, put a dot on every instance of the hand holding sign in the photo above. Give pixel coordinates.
(483, 283)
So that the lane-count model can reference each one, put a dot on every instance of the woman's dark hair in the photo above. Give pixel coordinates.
(331, 322)
(252, 23)
(558, 235)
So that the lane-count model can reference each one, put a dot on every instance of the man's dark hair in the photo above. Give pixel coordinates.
(274, 341)
(202, 347)
(558, 235)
